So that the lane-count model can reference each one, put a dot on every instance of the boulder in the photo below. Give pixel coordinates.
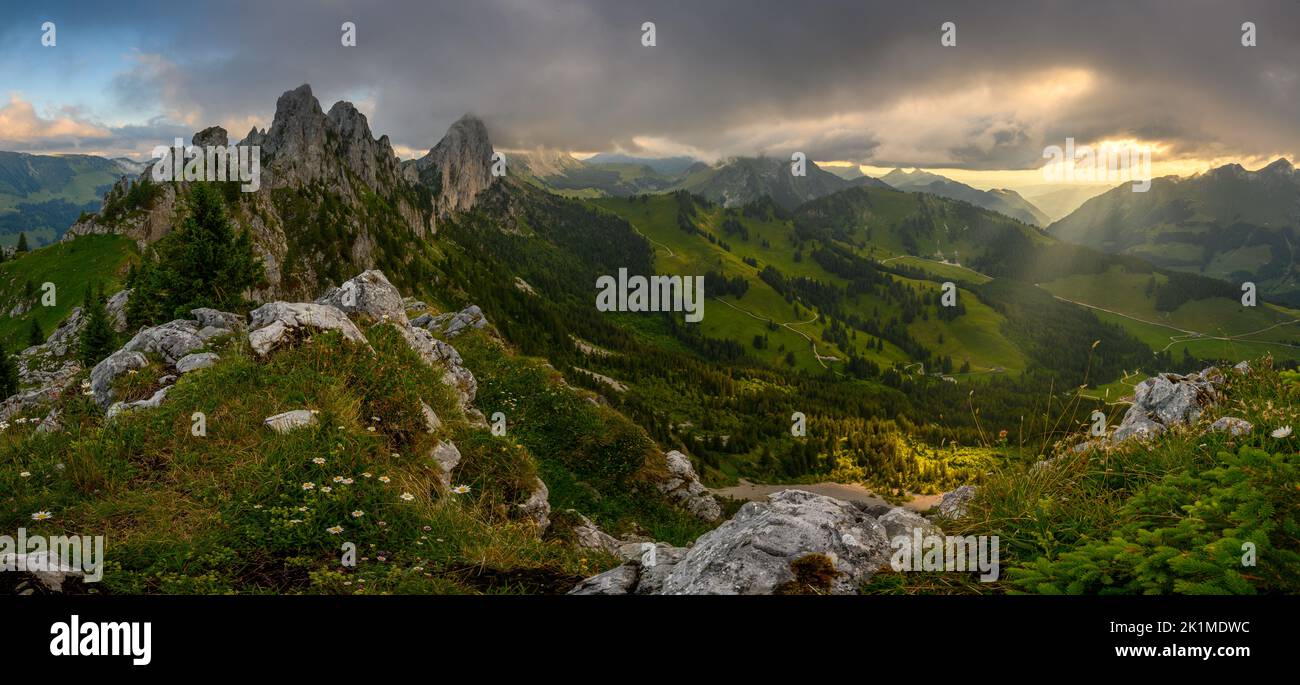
(592, 537)
(447, 457)
(1232, 426)
(684, 487)
(438, 353)
(751, 553)
(368, 294)
(1166, 401)
(290, 420)
(194, 362)
(275, 323)
(104, 373)
(171, 340)
(620, 580)
(953, 504)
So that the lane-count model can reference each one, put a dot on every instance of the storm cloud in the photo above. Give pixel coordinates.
(859, 81)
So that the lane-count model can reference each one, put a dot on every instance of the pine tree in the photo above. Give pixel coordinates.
(35, 336)
(8, 374)
(96, 341)
(22, 244)
(203, 263)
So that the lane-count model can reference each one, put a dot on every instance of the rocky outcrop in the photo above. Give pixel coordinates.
(1165, 402)
(459, 167)
(333, 158)
(752, 552)
(369, 295)
(276, 323)
(176, 343)
(685, 488)
(171, 341)
(452, 324)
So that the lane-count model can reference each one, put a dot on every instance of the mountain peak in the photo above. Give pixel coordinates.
(459, 167)
(1281, 165)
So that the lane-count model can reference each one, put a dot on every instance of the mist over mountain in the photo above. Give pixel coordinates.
(1007, 202)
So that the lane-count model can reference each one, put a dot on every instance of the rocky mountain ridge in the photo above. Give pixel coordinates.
(331, 197)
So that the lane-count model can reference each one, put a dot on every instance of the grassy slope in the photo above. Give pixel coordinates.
(975, 337)
(229, 513)
(72, 267)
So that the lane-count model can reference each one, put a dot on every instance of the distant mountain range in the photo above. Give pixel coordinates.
(732, 183)
(42, 195)
(1004, 201)
(1228, 223)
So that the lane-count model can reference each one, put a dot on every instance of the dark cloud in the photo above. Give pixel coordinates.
(747, 76)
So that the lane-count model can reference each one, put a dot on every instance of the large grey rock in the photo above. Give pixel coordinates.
(290, 420)
(198, 360)
(1136, 424)
(171, 340)
(368, 294)
(620, 580)
(275, 323)
(953, 504)
(1232, 426)
(104, 373)
(655, 561)
(447, 457)
(751, 553)
(684, 487)
(1167, 401)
